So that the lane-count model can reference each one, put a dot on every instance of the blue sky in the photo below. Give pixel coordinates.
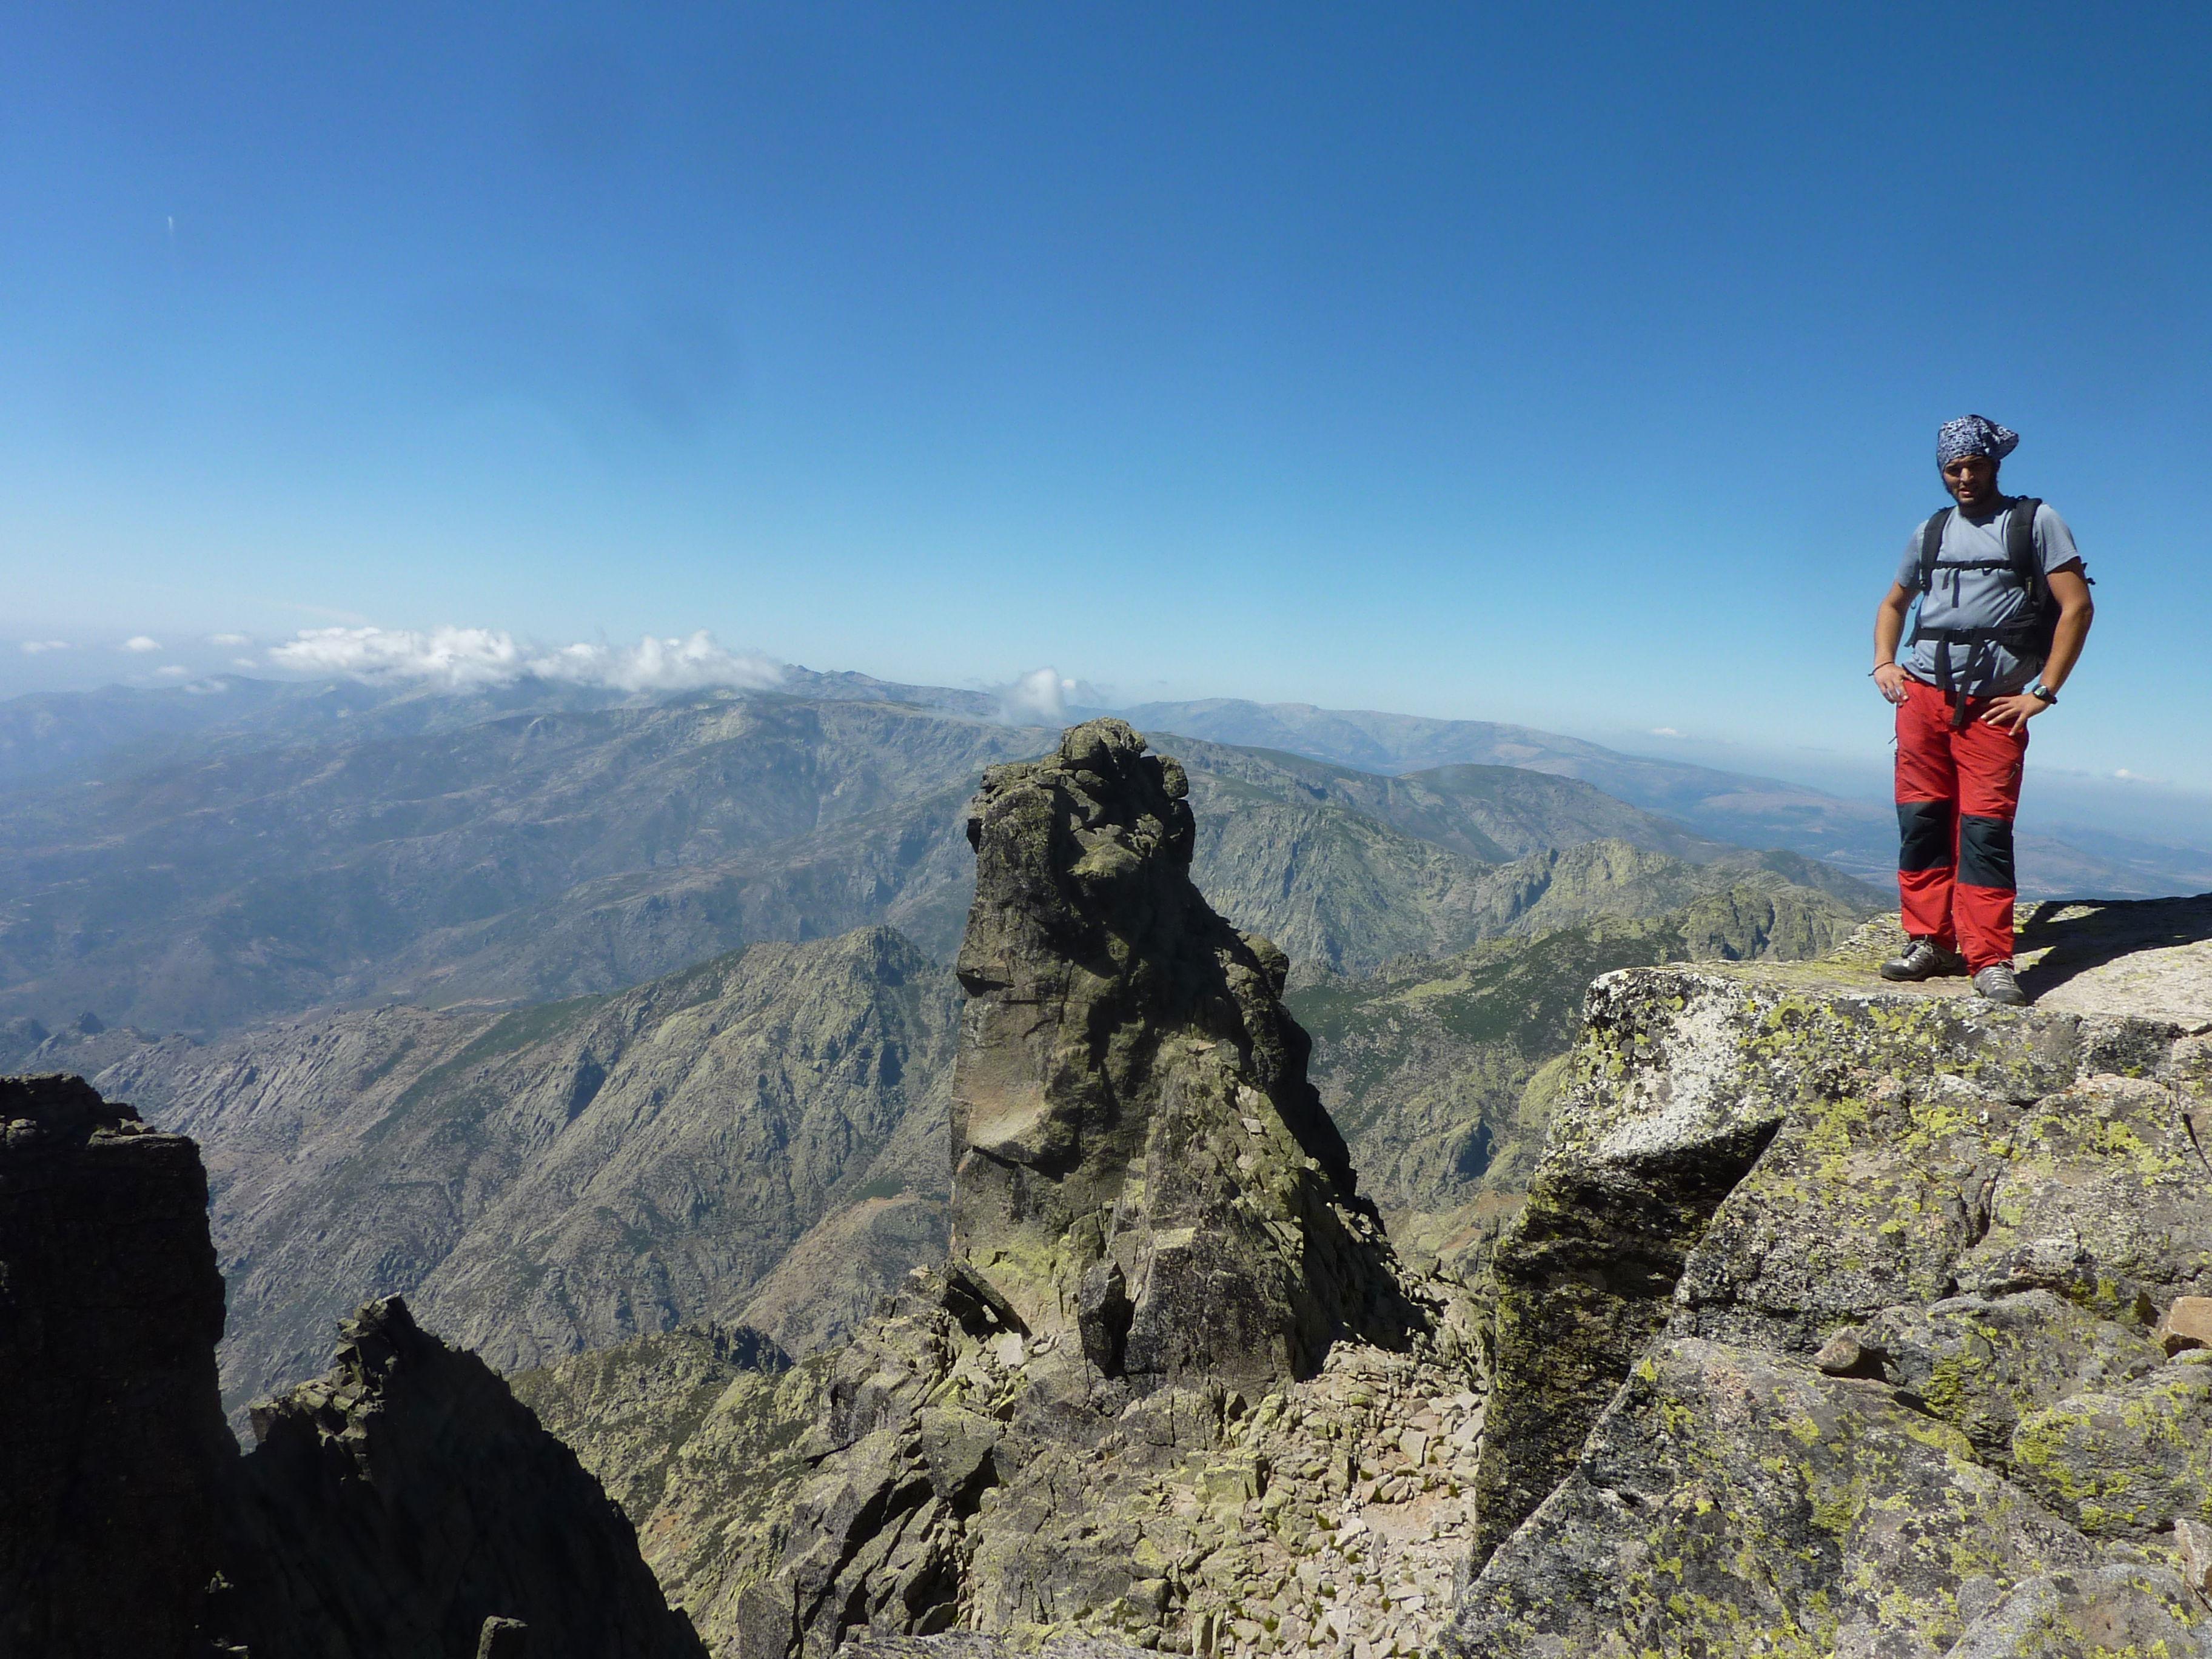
(1574, 365)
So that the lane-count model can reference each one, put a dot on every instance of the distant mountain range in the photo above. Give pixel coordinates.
(198, 857)
(300, 846)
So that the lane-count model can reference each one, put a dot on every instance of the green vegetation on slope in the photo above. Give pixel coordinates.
(1342, 893)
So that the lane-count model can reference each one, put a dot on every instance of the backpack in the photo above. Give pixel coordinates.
(2029, 637)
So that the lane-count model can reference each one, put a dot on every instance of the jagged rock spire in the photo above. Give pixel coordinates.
(1138, 1156)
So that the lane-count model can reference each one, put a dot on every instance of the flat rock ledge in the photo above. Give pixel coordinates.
(1850, 1320)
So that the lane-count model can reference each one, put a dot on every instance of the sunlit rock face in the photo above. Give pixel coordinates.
(1138, 1156)
(1850, 1319)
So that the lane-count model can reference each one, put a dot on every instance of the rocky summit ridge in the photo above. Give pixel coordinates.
(1140, 1163)
(1839, 1320)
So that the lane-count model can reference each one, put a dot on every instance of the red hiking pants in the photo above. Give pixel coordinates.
(1957, 790)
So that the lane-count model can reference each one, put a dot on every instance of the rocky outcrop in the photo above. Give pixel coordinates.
(1636, 1162)
(971, 1479)
(405, 1498)
(112, 1438)
(404, 1504)
(1140, 1163)
(1832, 1323)
(1172, 1388)
(1441, 1073)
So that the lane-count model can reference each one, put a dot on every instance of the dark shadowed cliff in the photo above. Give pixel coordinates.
(397, 1505)
(113, 1442)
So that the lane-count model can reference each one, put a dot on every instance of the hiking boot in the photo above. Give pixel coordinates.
(1997, 984)
(1924, 959)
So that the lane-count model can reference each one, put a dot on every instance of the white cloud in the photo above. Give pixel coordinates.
(1037, 698)
(459, 659)
(172, 671)
(139, 642)
(654, 664)
(244, 662)
(452, 657)
(230, 639)
(34, 646)
(1664, 732)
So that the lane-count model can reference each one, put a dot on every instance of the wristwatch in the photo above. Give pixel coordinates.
(2042, 693)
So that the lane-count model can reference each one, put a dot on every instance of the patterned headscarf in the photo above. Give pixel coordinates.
(1972, 434)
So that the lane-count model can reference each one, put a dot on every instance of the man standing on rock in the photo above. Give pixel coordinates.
(2004, 610)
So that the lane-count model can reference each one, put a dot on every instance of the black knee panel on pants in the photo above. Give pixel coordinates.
(1985, 852)
(1924, 835)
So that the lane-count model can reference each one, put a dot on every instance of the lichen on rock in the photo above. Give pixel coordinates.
(2125, 1463)
(1981, 1364)
(1731, 1500)
(1891, 1376)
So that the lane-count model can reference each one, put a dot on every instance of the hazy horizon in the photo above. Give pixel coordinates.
(2064, 802)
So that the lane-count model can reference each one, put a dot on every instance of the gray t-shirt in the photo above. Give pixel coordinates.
(1980, 599)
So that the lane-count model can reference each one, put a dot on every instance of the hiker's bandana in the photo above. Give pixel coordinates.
(1971, 434)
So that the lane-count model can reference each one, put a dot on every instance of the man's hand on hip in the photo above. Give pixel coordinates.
(1889, 680)
(2012, 713)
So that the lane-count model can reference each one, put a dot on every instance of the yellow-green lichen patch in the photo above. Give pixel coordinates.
(2125, 1463)
(1822, 1508)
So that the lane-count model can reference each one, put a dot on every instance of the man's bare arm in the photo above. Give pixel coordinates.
(2070, 587)
(1888, 630)
(2077, 610)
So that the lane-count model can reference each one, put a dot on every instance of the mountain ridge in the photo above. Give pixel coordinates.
(542, 854)
(566, 1176)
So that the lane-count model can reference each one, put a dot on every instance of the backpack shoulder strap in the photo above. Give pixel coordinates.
(1931, 546)
(2020, 544)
